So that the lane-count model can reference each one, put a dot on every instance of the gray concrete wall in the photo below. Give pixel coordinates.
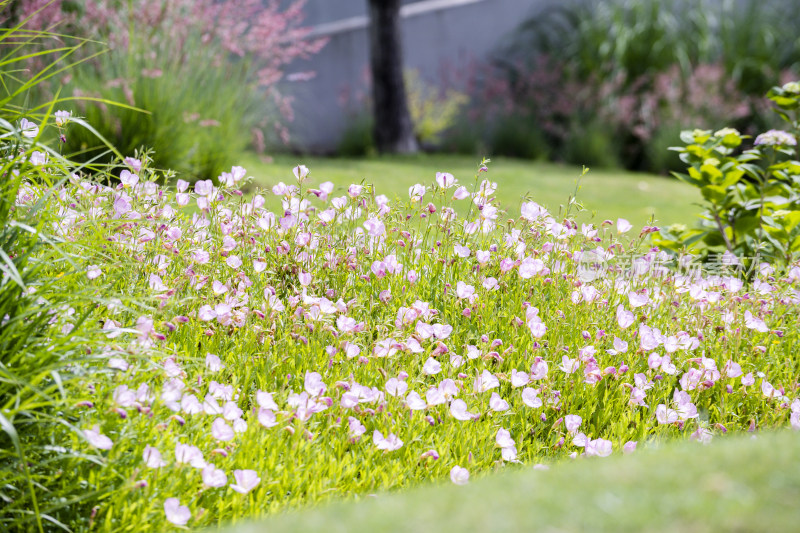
(436, 34)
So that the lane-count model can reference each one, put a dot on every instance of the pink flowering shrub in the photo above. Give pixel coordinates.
(210, 75)
(613, 82)
(307, 341)
(544, 110)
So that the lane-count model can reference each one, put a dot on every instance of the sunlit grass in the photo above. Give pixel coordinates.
(611, 194)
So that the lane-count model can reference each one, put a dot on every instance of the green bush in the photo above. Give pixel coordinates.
(517, 136)
(751, 196)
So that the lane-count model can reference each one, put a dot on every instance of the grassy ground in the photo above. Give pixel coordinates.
(611, 193)
(738, 484)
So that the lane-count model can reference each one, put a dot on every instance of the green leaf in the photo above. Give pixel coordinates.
(714, 193)
(693, 178)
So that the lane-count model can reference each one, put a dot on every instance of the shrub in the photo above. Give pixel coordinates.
(751, 197)
(206, 73)
(637, 71)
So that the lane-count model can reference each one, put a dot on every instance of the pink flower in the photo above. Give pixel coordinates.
(459, 475)
(220, 430)
(464, 291)
(531, 211)
(461, 193)
(732, 370)
(122, 204)
(598, 447)
(355, 428)
(624, 318)
(768, 390)
(496, 403)
(264, 400)
(176, 513)
(458, 409)
(28, 128)
(629, 447)
(529, 267)
(346, 324)
(519, 379)
(414, 402)
(508, 448)
(537, 327)
(416, 192)
(702, 435)
(374, 227)
(395, 387)
(752, 322)
(539, 369)
(637, 397)
(530, 397)
(246, 480)
(390, 443)
(665, 415)
(213, 362)
(300, 172)
(97, 439)
(432, 366)
(620, 347)
(485, 382)
(128, 179)
(623, 225)
(503, 438)
(267, 418)
(135, 164)
(62, 118)
(214, 477)
(231, 411)
(152, 457)
(572, 423)
(445, 180)
(93, 272)
(569, 365)
(313, 384)
(203, 187)
(638, 300)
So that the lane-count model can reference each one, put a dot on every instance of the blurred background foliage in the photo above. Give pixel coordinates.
(610, 83)
(201, 78)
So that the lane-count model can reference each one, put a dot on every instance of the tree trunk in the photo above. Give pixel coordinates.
(394, 131)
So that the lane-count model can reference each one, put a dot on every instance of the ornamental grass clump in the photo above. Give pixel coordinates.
(192, 73)
(254, 361)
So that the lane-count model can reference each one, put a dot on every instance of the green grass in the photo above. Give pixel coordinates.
(738, 484)
(609, 193)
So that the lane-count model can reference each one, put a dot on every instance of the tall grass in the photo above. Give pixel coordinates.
(204, 73)
(43, 333)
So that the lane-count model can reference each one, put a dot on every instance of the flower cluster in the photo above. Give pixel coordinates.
(254, 341)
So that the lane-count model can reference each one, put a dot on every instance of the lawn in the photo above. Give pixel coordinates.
(741, 484)
(609, 193)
